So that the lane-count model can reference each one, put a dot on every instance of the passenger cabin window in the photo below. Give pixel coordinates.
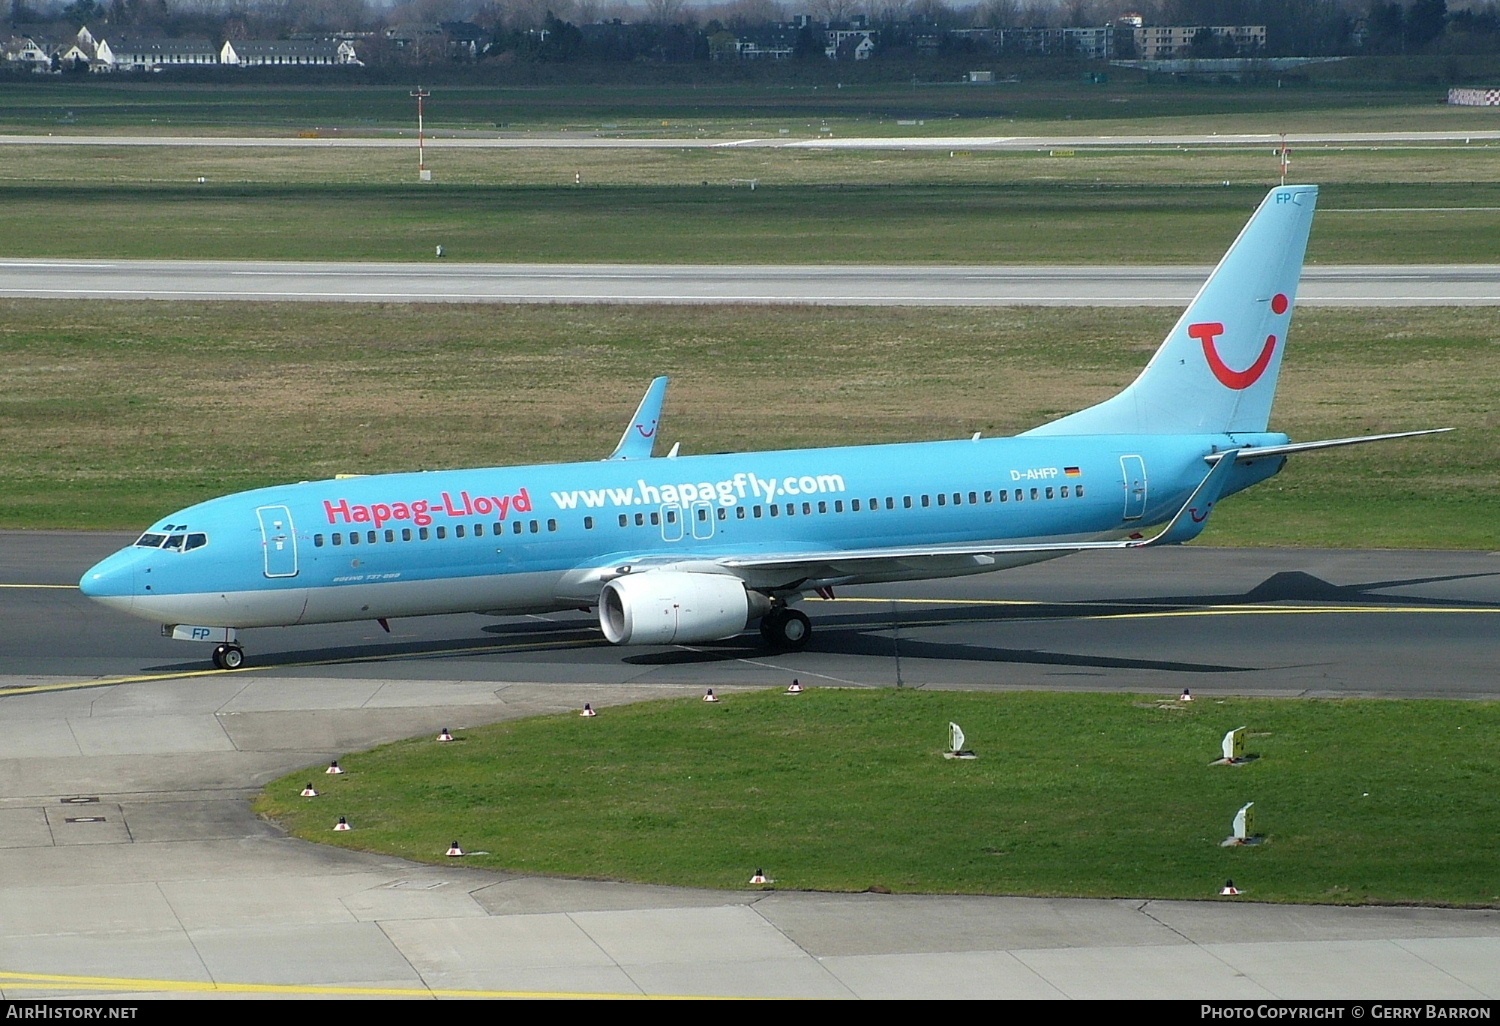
(390, 534)
(458, 531)
(422, 534)
(942, 499)
(338, 539)
(353, 537)
(1049, 491)
(588, 523)
(442, 532)
(317, 541)
(406, 534)
(552, 525)
(1034, 495)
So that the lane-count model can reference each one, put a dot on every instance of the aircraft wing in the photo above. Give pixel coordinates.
(639, 439)
(789, 569)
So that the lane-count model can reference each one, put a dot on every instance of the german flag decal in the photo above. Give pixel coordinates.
(1072, 471)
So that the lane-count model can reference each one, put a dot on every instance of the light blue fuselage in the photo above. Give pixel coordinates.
(531, 539)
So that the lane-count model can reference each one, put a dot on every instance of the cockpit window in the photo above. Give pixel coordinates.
(150, 541)
(195, 541)
(174, 541)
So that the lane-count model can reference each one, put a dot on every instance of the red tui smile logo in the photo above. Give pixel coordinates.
(1207, 333)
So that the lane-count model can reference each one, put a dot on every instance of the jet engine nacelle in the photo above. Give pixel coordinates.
(667, 607)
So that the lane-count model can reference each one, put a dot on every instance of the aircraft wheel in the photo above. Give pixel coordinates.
(229, 657)
(786, 628)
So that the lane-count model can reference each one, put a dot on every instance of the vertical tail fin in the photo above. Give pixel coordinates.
(639, 440)
(1217, 369)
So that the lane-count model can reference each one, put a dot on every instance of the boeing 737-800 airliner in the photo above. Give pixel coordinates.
(696, 548)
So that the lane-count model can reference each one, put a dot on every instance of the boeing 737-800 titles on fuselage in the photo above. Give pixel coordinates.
(693, 549)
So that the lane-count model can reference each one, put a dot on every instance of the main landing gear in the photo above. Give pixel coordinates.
(787, 629)
(229, 657)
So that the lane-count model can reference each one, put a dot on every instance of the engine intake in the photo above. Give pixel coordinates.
(667, 607)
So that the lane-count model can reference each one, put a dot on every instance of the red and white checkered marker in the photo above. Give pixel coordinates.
(588, 710)
(309, 791)
(444, 735)
(342, 824)
(760, 877)
(1186, 696)
(794, 688)
(333, 767)
(710, 697)
(454, 851)
(1229, 888)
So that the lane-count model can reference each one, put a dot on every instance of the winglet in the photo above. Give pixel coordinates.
(639, 438)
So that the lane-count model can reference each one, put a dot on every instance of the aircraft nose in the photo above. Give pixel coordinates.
(111, 581)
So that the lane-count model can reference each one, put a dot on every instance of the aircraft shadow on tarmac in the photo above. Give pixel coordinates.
(872, 633)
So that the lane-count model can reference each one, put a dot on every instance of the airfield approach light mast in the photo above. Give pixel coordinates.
(422, 172)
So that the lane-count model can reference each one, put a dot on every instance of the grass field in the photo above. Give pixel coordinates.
(113, 414)
(1026, 223)
(1048, 101)
(1087, 795)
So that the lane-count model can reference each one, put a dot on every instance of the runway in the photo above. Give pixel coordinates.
(612, 139)
(860, 285)
(128, 855)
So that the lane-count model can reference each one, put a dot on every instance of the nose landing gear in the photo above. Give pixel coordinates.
(229, 657)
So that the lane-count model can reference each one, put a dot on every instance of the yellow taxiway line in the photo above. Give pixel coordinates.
(46, 981)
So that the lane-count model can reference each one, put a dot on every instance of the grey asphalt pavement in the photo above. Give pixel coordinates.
(441, 281)
(131, 865)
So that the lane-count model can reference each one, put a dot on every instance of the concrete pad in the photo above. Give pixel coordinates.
(1106, 973)
(421, 694)
(346, 954)
(981, 975)
(194, 820)
(527, 895)
(877, 924)
(225, 903)
(186, 772)
(84, 909)
(28, 738)
(143, 954)
(509, 942)
(508, 981)
(1364, 969)
(194, 696)
(748, 977)
(149, 735)
(24, 828)
(342, 730)
(1212, 921)
(414, 899)
(95, 823)
(1472, 961)
(279, 694)
(686, 935)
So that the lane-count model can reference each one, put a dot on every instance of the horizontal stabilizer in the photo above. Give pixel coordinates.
(1265, 452)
